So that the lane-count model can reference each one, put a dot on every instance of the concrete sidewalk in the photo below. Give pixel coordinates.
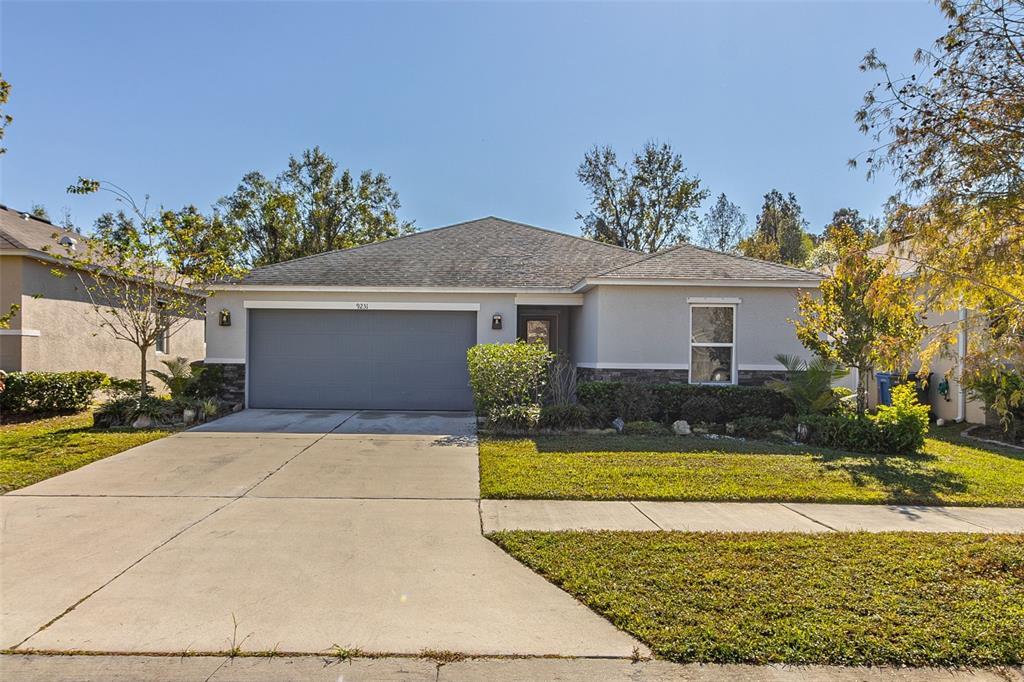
(15, 668)
(554, 515)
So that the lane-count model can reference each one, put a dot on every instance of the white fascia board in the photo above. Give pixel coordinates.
(713, 300)
(759, 283)
(389, 290)
(360, 305)
(549, 299)
(20, 332)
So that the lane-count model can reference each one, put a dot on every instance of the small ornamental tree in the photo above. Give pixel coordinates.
(865, 316)
(134, 273)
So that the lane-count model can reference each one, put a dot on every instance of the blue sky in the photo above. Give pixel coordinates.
(472, 109)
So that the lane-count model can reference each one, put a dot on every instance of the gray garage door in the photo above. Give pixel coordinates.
(360, 359)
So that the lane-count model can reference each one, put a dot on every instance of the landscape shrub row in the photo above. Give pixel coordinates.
(49, 391)
(896, 429)
(667, 403)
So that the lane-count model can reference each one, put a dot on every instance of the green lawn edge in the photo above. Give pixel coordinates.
(893, 599)
(952, 471)
(35, 450)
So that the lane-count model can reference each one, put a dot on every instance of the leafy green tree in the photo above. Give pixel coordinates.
(865, 315)
(5, 118)
(646, 204)
(952, 134)
(140, 284)
(39, 211)
(723, 225)
(312, 207)
(199, 244)
(780, 232)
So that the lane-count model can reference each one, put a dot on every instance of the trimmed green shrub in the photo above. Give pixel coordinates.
(600, 398)
(564, 416)
(753, 427)
(634, 402)
(896, 430)
(644, 428)
(904, 423)
(702, 409)
(507, 374)
(736, 402)
(514, 417)
(49, 391)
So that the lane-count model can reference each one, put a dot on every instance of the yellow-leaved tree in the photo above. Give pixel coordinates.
(952, 134)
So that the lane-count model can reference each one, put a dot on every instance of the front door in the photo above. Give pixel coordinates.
(539, 328)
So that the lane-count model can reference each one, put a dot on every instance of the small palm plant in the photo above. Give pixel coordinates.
(809, 384)
(179, 377)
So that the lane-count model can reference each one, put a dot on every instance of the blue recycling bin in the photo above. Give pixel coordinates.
(885, 383)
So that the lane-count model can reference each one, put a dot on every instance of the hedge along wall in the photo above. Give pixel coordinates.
(605, 399)
(49, 391)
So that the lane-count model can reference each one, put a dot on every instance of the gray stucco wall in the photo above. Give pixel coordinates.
(649, 326)
(227, 344)
(69, 334)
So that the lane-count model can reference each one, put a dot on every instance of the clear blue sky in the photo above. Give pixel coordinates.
(472, 109)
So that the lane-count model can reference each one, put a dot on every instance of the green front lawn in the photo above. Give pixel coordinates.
(836, 598)
(951, 471)
(36, 450)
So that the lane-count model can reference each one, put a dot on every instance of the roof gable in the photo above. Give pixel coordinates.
(486, 253)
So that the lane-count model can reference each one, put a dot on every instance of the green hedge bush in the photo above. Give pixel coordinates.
(896, 430)
(573, 416)
(603, 400)
(49, 391)
(507, 374)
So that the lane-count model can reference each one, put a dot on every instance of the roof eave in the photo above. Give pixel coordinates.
(589, 282)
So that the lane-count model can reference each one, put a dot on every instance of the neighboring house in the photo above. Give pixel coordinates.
(387, 325)
(947, 398)
(56, 329)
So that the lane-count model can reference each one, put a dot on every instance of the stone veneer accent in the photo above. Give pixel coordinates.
(232, 389)
(747, 377)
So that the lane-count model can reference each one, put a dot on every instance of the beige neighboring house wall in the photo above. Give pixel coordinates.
(57, 328)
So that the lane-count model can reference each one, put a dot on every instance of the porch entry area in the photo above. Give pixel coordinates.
(548, 323)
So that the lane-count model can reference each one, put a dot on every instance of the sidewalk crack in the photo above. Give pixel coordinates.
(656, 524)
(809, 518)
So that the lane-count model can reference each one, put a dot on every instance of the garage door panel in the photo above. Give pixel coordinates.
(334, 359)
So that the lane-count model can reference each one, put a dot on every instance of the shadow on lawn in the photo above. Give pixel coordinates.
(912, 479)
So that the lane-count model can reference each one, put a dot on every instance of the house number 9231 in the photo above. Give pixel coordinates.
(362, 306)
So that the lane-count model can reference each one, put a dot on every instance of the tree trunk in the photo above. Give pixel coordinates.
(142, 386)
(863, 375)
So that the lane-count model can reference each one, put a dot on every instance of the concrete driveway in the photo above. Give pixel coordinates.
(287, 530)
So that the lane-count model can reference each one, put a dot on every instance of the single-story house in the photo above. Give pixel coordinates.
(55, 329)
(387, 325)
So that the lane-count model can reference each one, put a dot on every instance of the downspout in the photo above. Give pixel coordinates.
(961, 350)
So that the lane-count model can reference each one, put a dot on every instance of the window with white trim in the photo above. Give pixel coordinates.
(712, 344)
(163, 337)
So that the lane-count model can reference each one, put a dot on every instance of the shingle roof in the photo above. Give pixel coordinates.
(32, 233)
(485, 253)
(688, 262)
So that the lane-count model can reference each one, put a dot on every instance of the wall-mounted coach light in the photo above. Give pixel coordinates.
(225, 318)
(496, 321)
